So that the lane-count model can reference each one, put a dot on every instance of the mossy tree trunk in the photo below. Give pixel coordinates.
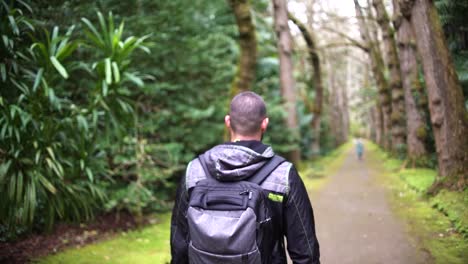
(316, 107)
(248, 46)
(398, 124)
(288, 89)
(378, 69)
(416, 135)
(449, 117)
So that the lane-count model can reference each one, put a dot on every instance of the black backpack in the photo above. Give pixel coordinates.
(230, 222)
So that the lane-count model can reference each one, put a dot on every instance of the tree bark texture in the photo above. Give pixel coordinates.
(398, 124)
(287, 83)
(446, 103)
(415, 113)
(378, 68)
(316, 107)
(248, 46)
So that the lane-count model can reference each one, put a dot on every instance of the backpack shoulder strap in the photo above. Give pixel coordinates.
(266, 169)
(201, 158)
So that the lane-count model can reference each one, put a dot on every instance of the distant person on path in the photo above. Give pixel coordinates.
(238, 201)
(359, 148)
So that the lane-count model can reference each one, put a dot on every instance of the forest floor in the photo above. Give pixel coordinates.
(364, 211)
(354, 219)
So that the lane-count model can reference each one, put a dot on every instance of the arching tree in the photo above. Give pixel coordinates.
(288, 89)
(316, 107)
(378, 67)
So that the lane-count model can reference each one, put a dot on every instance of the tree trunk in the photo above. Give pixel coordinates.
(316, 107)
(378, 68)
(288, 89)
(398, 124)
(248, 46)
(446, 103)
(415, 116)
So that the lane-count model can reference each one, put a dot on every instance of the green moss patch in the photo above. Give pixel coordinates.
(438, 223)
(148, 245)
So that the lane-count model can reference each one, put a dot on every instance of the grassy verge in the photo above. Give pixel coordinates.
(148, 245)
(439, 222)
(315, 174)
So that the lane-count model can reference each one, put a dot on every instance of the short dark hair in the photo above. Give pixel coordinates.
(247, 112)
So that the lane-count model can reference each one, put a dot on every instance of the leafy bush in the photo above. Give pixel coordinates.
(54, 161)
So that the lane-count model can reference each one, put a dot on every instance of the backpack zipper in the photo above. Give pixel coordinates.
(249, 192)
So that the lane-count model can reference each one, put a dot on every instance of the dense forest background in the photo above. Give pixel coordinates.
(102, 103)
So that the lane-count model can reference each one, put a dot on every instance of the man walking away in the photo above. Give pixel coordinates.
(238, 201)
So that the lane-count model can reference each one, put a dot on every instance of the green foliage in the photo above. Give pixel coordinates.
(53, 161)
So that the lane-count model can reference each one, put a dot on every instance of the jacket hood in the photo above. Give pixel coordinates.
(235, 163)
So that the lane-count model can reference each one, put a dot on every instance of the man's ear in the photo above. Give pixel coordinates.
(264, 124)
(227, 121)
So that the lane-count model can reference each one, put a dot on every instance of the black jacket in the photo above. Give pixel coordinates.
(292, 217)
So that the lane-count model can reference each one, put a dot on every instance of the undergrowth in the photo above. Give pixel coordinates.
(439, 222)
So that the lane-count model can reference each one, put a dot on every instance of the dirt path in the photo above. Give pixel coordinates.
(354, 221)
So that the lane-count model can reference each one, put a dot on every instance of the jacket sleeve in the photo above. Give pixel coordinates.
(179, 226)
(299, 224)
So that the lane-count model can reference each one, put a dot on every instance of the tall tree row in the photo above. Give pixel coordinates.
(415, 105)
(397, 118)
(421, 41)
(446, 102)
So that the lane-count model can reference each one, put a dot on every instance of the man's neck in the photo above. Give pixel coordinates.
(235, 138)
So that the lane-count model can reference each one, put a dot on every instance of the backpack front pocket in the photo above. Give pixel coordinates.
(223, 232)
(198, 256)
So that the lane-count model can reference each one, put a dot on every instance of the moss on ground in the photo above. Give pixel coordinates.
(148, 245)
(437, 222)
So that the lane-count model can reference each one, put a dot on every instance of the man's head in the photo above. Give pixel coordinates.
(247, 116)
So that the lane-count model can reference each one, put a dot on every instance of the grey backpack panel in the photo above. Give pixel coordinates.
(223, 231)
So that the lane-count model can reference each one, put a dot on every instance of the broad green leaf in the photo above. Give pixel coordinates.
(105, 88)
(135, 79)
(108, 72)
(12, 187)
(38, 79)
(4, 170)
(13, 25)
(115, 70)
(59, 67)
(32, 200)
(3, 71)
(92, 29)
(19, 186)
(46, 183)
(90, 174)
(82, 122)
(51, 153)
(104, 30)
